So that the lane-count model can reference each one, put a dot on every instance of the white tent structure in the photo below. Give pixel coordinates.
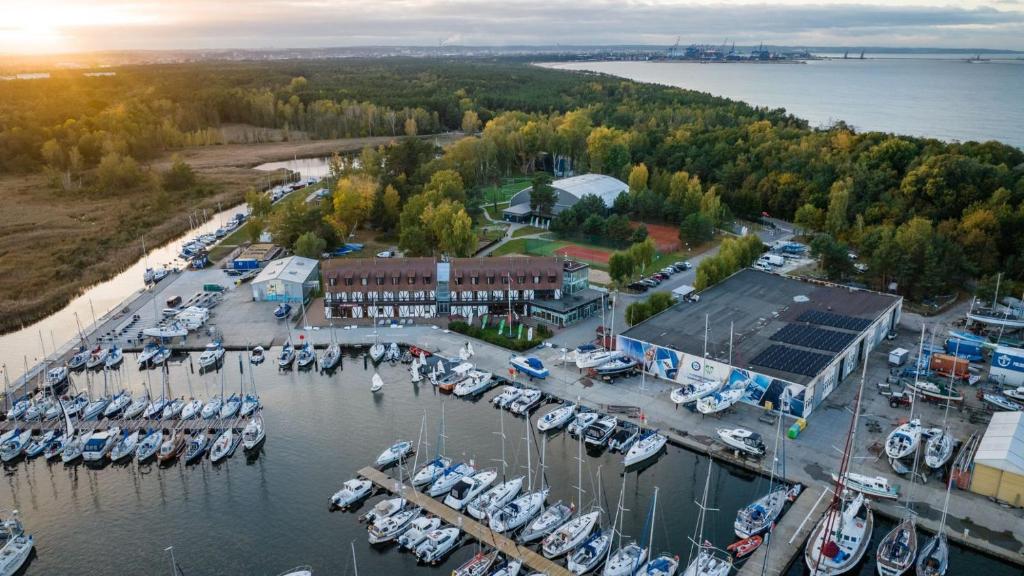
(999, 461)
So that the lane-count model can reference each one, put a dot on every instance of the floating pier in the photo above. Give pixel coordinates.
(127, 424)
(789, 535)
(467, 524)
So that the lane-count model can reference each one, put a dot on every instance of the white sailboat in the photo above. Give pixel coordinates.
(254, 433)
(694, 391)
(904, 440)
(705, 559)
(376, 383)
(648, 446)
(719, 401)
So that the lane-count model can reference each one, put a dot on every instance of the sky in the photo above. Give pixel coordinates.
(54, 26)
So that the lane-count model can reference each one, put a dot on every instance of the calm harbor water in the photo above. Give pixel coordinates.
(945, 98)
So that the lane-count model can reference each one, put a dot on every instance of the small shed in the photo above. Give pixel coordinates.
(289, 279)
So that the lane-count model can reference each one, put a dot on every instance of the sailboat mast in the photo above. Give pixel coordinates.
(654, 508)
(529, 469)
(917, 372)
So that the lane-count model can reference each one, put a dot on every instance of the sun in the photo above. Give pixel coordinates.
(50, 25)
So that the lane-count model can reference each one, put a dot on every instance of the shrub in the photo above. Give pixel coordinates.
(491, 336)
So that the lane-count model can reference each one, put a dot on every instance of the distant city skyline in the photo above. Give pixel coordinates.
(60, 26)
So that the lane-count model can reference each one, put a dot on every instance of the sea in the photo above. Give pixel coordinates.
(942, 96)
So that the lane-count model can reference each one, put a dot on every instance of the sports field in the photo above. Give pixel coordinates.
(539, 247)
(666, 238)
(585, 253)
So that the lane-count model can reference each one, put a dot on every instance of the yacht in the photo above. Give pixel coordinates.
(117, 404)
(155, 409)
(617, 367)
(527, 400)
(708, 563)
(74, 446)
(495, 498)
(590, 555)
(376, 383)
(598, 433)
(149, 445)
(56, 376)
(80, 359)
(394, 453)
(388, 529)
(254, 433)
(719, 401)
(95, 408)
(507, 396)
(648, 446)
(383, 509)
(759, 515)
(569, 535)
(933, 560)
(874, 486)
(625, 560)
(114, 357)
(549, 520)
(582, 421)
(625, 434)
(475, 382)
(437, 545)
(192, 409)
(838, 551)
(306, 356)
(743, 440)
(377, 352)
(529, 365)
(430, 471)
(393, 353)
(196, 446)
(224, 445)
(56, 447)
(212, 408)
(257, 356)
(660, 565)
(213, 354)
(898, 550)
(73, 405)
(17, 546)
(160, 357)
(555, 419)
(331, 357)
(231, 406)
(100, 443)
(352, 491)
(172, 447)
(449, 478)
(125, 446)
(904, 440)
(14, 447)
(595, 358)
(417, 531)
(38, 444)
(282, 311)
(173, 409)
(147, 353)
(506, 566)
(98, 359)
(479, 565)
(518, 512)
(287, 356)
(468, 488)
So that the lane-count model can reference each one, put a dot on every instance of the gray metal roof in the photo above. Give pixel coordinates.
(292, 268)
(570, 190)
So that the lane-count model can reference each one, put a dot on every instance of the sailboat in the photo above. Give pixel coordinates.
(431, 470)
(376, 383)
(694, 391)
(841, 538)
(250, 401)
(332, 355)
(212, 408)
(234, 402)
(571, 534)
(96, 407)
(760, 515)
(897, 551)
(627, 559)
(497, 497)
(254, 433)
(904, 440)
(708, 561)
(939, 448)
(933, 559)
(521, 510)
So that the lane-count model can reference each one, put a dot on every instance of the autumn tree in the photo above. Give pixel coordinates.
(180, 175)
(351, 203)
(837, 218)
(309, 245)
(638, 177)
(470, 122)
(259, 203)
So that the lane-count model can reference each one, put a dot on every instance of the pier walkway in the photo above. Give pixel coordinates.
(126, 424)
(789, 535)
(474, 529)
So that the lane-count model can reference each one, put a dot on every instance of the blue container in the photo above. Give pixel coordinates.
(245, 264)
(964, 349)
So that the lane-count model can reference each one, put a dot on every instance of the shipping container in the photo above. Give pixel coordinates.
(1008, 366)
(972, 351)
(898, 356)
(947, 365)
(245, 264)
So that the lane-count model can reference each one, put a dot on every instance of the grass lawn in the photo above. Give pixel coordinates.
(505, 191)
(496, 212)
(528, 230)
(529, 247)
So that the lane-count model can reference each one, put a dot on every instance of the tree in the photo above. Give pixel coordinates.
(834, 256)
(594, 225)
(117, 173)
(837, 218)
(446, 185)
(391, 206)
(617, 228)
(696, 229)
(470, 122)
(637, 312)
(254, 228)
(297, 84)
(352, 203)
(620, 266)
(309, 245)
(179, 176)
(643, 253)
(810, 218)
(711, 207)
(291, 220)
(414, 237)
(410, 126)
(639, 234)
(449, 229)
(259, 203)
(638, 177)
(542, 195)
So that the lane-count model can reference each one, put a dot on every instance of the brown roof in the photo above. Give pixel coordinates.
(528, 266)
(403, 268)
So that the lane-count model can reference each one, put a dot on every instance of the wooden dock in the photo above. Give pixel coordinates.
(789, 535)
(467, 524)
(126, 424)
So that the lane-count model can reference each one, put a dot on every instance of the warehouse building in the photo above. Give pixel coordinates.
(568, 192)
(999, 461)
(787, 342)
(290, 279)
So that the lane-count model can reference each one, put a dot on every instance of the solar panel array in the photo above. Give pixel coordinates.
(832, 320)
(786, 359)
(814, 337)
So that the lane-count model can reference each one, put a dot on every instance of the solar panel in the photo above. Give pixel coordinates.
(833, 320)
(814, 337)
(794, 360)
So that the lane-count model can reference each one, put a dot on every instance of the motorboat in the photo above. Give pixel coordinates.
(526, 401)
(625, 434)
(125, 446)
(149, 445)
(898, 549)
(155, 409)
(196, 446)
(625, 561)
(306, 356)
(568, 536)
(933, 560)
(468, 488)
(212, 408)
(282, 311)
(17, 546)
(598, 433)
(495, 498)
(331, 357)
(617, 367)
(759, 515)
(553, 517)
(172, 447)
(479, 565)
(517, 512)
(73, 405)
(38, 444)
(582, 421)
(213, 354)
(904, 440)
(507, 396)
(719, 401)
(743, 440)
(838, 550)
(147, 353)
(287, 356)
(376, 383)
(114, 357)
(449, 478)
(393, 353)
(95, 408)
(117, 404)
(475, 382)
(15, 446)
(938, 449)
(100, 443)
(529, 365)
(173, 409)
(438, 544)
(257, 356)
(430, 471)
(224, 445)
(691, 392)
(590, 555)
(394, 453)
(377, 352)
(555, 419)
(660, 565)
(98, 359)
(1000, 402)
(383, 509)
(597, 357)
(447, 380)
(505, 566)
(417, 531)
(192, 409)
(388, 529)
(874, 486)
(708, 563)
(743, 548)
(648, 446)
(352, 491)
(80, 359)
(254, 433)
(231, 406)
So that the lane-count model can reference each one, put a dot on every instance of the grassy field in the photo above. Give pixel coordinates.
(528, 230)
(504, 192)
(529, 247)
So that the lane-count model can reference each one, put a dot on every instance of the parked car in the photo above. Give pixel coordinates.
(649, 283)
(386, 254)
(661, 276)
(668, 270)
(638, 286)
(684, 265)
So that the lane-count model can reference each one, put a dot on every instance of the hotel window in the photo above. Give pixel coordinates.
(380, 280)
(348, 281)
(363, 279)
(412, 279)
(552, 278)
(504, 279)
(395, 279)
(521, 279)
(536, 279)
(490, 280)
(474, 280)
(426, 278)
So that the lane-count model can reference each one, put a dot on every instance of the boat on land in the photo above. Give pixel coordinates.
(352, 491)
(1015, 393)
(529, 365)
(1000, 402)
(939, 449)
(596, 357)
(282, 311)
(171, 330)
(936, 391)
(743, 440)
(648, 446)
(718, 401)
(617, 367)
(555, 419)
(904, 440)
(690, 393)
(254, 432)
